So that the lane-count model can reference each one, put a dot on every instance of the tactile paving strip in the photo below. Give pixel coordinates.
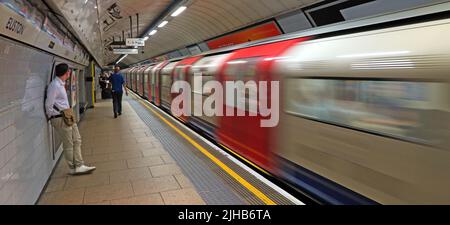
(211, 181)
(210, 187)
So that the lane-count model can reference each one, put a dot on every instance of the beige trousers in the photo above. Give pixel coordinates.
(71, 139)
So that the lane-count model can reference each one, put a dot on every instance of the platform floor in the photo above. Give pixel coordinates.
(143, 158)
(132, 166)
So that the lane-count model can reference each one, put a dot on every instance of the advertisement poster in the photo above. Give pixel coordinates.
(251, 34)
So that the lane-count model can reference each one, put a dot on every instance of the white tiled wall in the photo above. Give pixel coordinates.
(25, 157)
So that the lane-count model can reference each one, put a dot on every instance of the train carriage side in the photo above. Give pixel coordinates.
(128, 78)
(203, 71)
(245, 134)
(182, 73)
(142, 84)
(139, 81)
(156, 82)
(166, 76)
(132, 78)
(135, 79)
(147, 80)
(370, 112)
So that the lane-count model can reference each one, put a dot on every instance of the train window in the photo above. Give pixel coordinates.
(405, 110)
(204, 71)
(243, 70)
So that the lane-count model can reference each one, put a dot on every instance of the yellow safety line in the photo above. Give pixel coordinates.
(246, 160)
(227, 169)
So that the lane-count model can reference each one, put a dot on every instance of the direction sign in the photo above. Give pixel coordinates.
(140, 42)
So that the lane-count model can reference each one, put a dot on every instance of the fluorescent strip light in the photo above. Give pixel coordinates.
(120, 60)
(164, 23)
(146, 38)
(153, 32)
(237, 62)
(179, 11)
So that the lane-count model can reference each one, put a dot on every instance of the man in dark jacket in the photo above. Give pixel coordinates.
(118, 85)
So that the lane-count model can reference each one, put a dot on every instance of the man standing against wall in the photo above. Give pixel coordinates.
(57, 105)
(118, 85)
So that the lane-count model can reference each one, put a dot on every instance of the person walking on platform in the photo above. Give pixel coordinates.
(62, 119)
(118, 85)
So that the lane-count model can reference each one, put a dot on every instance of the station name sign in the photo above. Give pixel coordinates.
(139, 42)
(126, 51)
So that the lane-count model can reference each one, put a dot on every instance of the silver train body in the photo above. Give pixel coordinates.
(371, 111)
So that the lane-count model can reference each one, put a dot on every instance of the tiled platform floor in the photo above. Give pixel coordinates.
(132, 166)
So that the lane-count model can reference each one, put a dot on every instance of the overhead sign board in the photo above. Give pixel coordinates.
(126, 51)
(140, 42)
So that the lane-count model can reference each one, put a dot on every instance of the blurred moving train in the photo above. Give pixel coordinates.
(365, 107)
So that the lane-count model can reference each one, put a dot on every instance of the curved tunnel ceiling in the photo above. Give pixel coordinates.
(204, 19)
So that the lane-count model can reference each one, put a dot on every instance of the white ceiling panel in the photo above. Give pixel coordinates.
(204, 19)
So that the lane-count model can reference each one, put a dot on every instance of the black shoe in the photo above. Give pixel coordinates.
(115, 116)
(120, 114)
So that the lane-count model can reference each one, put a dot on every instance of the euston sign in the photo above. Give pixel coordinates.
(140, 42)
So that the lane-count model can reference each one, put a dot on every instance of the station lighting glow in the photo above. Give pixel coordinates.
(164, 23)
(179, 11)
(153, 32)
(146, 38)
(120, 60)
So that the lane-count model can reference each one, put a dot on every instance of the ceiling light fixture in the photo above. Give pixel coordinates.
(164, 23)
(153, 32)
(120, 60)
(179, 11)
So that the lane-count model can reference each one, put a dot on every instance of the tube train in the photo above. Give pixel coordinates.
(365, 107)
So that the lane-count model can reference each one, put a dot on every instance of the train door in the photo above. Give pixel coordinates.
(142, 82)
(146, 84)
(181, 73)
(130, 78)
(245, 134)
(128, 81)
(166, 85)
(135, 80)
(156, 82)
(202, 72)
(138, 81)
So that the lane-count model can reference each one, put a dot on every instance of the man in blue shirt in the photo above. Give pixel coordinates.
(118, 85)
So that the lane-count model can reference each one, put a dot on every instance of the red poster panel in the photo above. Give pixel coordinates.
(252, 34)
